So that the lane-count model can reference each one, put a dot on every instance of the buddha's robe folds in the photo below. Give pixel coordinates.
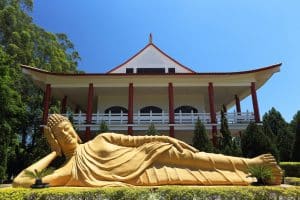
(119, 160)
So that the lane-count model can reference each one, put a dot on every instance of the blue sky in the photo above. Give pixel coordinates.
(207, 36)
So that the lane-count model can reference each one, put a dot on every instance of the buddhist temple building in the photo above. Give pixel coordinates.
(151, 87)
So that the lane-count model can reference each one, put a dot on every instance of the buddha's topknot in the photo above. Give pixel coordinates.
(55, 119)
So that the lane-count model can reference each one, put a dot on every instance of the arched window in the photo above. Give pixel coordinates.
(186, 109)
(154, 109)
(116, 109)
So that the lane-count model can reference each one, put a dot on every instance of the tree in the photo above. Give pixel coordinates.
(295, 127)
(23, 42)
(103, 127)
(254, 142)
(282, 136)
(200, 138)
(152, 130)
(226, 140)
(10, 110)
(227, 146)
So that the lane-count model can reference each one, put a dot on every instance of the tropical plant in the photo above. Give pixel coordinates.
(263, 174)
(38, 174)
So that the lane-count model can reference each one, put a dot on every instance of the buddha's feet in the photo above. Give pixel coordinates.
(268, 160)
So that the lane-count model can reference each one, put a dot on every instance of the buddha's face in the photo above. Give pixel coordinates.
(66, 136)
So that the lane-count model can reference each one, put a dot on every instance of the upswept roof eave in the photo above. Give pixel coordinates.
(274, 66)
(143, 49)
(271, 67)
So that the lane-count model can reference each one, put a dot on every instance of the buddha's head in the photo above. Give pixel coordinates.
(63, 133)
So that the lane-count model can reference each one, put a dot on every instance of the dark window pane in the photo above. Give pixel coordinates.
(116, 109)
(186, 109)
(129, 70)
(150, 70)
(171, 70)
(154, 109)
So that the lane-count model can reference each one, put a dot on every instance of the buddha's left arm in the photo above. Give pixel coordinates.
(24, 181)
(135, 141)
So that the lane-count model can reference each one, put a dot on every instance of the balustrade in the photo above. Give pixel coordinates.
(158, 118)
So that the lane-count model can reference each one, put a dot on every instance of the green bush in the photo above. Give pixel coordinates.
(152, 130)
(291, 169)
(162, 193)
(103, 127)
(292, 181)
(263, 174)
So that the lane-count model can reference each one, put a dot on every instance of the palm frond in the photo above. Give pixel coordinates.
(38, 174)
(29, 174)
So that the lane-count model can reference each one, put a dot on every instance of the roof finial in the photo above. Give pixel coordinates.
(150, 38)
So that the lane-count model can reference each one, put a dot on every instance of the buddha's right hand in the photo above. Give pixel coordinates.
(52, 141)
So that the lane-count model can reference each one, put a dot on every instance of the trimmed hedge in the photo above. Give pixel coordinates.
(292, 180)
(151, 193)
(291, 169)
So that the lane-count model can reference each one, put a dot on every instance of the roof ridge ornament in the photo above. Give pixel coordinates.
(150, 38)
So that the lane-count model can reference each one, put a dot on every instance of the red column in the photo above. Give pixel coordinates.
(213, 117)
(171, 109)
(47, 97)
(237, 104)
(63, 108)
(130, 109)
(255, 102)
(89, 112)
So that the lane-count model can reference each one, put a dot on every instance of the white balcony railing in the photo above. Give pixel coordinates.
(158, 118)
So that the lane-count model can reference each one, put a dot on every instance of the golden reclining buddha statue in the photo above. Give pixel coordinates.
(112, 159)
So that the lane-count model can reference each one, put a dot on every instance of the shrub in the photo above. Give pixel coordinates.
(162, 193)
(295, 126)
(152, 130)
(282, 136)
(263, 174)
(103, 127)
(200, 138)
(291, 169)
(254, 142)
(292, 181)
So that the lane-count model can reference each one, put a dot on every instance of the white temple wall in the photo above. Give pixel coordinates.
(107, 101)
(196, 101)
(159, 100)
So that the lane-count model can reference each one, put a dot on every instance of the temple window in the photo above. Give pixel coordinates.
(153, 109)
(186, 109)
(116, 109)
(129, 70)
(150, 70)
(171, 70)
